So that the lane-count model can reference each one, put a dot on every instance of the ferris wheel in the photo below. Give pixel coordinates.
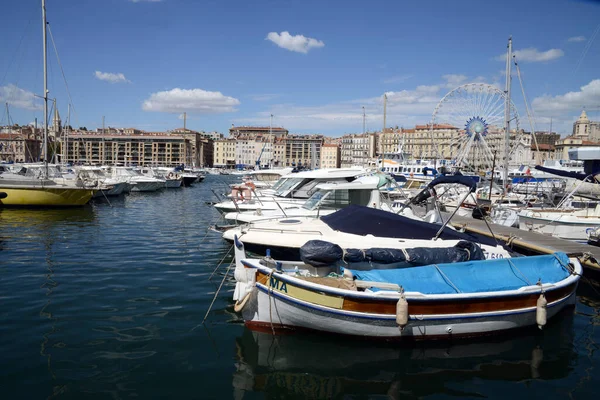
(477, 111)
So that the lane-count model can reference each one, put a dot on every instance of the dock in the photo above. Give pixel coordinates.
(532, 242)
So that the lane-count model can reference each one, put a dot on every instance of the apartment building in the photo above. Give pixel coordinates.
(330, 156)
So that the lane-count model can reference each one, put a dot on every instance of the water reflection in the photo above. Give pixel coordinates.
(311, 366)
(20, 216)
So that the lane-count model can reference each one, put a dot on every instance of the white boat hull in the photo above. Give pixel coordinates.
(269, 309)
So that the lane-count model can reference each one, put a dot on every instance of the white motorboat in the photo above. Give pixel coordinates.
(172, 178)
(290, 191)
(266, 178)
(571, 224)
(361, 227)
(140, 182)
(113, 187)
(370, 191)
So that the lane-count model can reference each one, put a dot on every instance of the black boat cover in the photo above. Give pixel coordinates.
(568, 174)
(320, 253)
(460, 179)
(361, 220)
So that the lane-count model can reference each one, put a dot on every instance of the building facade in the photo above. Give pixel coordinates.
(355, 150)
(143, 150)
(330, 156)
(224, 153)
(20, 144)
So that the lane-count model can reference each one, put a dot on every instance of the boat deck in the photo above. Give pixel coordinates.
(532, 242)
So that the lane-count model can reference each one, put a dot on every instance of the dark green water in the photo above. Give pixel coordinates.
(107, 302)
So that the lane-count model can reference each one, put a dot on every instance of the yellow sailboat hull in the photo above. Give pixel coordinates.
(40, 196)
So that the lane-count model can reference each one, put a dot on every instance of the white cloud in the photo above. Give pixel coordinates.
(588, 95)
(111, 77)
(576, 39)
(19, 98)
(190, 100)
(298, 43)
(534, 55)
(454, 80)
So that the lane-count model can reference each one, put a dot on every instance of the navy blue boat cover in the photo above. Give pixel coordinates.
(361, 220)
(460, 179)
(567, 174)
(320, 253)
(474, 276)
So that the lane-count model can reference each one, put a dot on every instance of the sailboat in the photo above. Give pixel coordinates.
(19, 189)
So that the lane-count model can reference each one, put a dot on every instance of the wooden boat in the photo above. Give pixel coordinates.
(440, 301)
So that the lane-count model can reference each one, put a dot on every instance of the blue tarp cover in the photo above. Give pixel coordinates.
(361, 220)
(474, 276)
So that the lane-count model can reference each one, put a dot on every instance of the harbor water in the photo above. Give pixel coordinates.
(107, 301)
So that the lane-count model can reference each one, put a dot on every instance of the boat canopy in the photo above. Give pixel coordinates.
(474, 276)
(567, 174)
(361, 220)
(459, 179)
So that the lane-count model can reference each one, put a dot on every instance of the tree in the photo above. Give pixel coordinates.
(82, 128)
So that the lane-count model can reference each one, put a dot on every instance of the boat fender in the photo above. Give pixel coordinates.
(540, 312)
(239, 305)
(170, 176)
(402, 311)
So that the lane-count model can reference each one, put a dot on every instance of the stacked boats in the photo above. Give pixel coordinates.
(371, 272)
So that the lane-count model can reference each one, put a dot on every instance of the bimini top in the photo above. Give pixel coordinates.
(360, 220)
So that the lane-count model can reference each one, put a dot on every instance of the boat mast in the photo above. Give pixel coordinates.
(45, 52)
(507, 112)
(66, 156)
(383, 132)
(270, 142)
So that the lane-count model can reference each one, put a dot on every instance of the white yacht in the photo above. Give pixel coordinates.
(351, 227)
(290, 191)
(140, 182)
(172, 178)
(374, 191)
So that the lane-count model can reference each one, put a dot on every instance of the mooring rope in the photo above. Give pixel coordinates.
(218, 290)
(220, 262)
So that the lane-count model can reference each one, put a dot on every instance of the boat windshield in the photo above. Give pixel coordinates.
(287, 186)
(277, 184)
(336, 199)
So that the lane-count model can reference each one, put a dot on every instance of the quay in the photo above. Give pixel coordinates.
(532, 242)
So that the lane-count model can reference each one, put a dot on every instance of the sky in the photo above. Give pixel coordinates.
(313, 65)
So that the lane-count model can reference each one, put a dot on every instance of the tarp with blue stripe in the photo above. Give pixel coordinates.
(474, 276)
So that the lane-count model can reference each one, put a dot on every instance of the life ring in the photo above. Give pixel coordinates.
(411, 174)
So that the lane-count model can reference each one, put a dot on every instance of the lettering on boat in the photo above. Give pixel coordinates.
(275, 284)
(495, 256)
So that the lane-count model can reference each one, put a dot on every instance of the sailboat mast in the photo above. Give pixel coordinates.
(271, 142)
(507, 112)
(383, 132)
(45, 52)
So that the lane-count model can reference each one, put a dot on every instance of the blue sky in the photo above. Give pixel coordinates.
(312, 64)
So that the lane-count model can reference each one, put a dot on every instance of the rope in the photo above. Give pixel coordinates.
(218, 290)
(269, 293)
(220, 262)
(446, 278)
(518, 270)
